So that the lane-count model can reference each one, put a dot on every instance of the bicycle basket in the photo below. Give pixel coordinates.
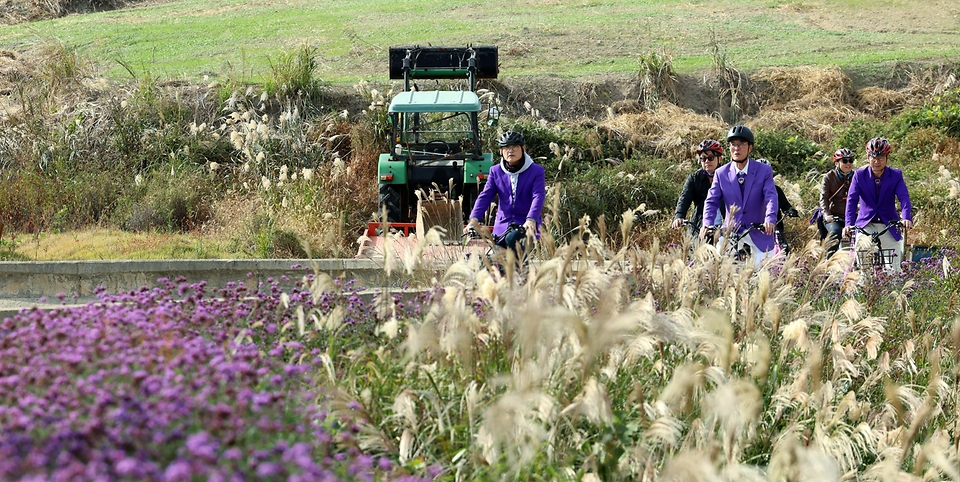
(886, 257)
(878, 258)
(743, 253)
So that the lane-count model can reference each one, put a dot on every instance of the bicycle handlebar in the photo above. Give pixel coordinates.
(474, 234)
(511, 228)
(751, 227)
(877, 234)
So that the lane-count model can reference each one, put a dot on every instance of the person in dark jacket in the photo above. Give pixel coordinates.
(710, 153)
(833, 199)
(519, 187)
(785, 209)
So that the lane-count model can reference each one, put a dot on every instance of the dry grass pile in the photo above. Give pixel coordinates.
(929, 82)
(13, 70)
(673, 131)
(808, 100)
(880, 102)
(17, 11)
(805, 99)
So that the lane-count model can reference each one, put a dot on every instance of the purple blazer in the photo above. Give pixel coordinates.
(757, 204)
(870, 198)
(528, 203)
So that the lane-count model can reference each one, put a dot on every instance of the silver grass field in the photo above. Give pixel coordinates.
(667, 363)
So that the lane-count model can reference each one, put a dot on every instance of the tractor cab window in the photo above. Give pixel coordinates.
(439, 132)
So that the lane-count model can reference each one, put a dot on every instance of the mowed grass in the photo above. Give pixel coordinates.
(110, 244)
(210, 39)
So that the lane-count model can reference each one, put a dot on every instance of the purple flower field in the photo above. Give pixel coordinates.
(174, 384)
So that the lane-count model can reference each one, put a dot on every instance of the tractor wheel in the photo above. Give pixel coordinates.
(389, 200)
(470, 193)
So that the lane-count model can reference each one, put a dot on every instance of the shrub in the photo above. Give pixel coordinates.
(168, 200)
(565, 151)
(657, 80)
(854, 136)
(790, 154)
(942, 114)
(614, 190)
(267, 240)
(917, 147)
(292, 74)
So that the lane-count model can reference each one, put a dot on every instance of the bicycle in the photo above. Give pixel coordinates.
(494, 257)
(874, 254)
(740, 252)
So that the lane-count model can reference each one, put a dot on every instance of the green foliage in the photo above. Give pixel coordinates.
(943, 114)
(564, 151)
(538, 137)
(854, 136)
(168, 201)
(154, 126)
(918, 146)
(292, 74)
(612, 191)
(790, 153)
(35, 201)
(267, 240)
(8, 251)
(658, 81)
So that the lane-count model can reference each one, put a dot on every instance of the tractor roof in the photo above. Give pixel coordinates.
(435, 101)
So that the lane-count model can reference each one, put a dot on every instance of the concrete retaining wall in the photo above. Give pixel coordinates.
(36, 279)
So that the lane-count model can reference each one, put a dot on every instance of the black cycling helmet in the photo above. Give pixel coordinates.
(511, 138)
(710, 145)
(740, 132)
(878, 146)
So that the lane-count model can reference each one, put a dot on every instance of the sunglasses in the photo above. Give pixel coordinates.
(707, 157)
(846, 160)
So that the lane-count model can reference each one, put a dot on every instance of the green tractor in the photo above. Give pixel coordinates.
(436, 142)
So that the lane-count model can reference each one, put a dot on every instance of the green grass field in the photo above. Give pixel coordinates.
(198, 39)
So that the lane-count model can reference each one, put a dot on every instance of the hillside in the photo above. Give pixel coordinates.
(63, 117)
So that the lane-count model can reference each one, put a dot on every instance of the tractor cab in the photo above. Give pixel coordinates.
(435, 143)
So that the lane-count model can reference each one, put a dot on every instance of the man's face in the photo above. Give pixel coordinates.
(844, 164)
(512, 154)
(740, 150)
(709, 161)
(878, 163)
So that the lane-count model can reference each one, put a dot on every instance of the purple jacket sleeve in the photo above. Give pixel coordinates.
(539, 195)
(770, 194)
(906, 208)
(486, 195)
(853, 199)
(714, 198)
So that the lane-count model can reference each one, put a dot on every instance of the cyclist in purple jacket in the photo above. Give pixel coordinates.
(518, 184)
(871, 201)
